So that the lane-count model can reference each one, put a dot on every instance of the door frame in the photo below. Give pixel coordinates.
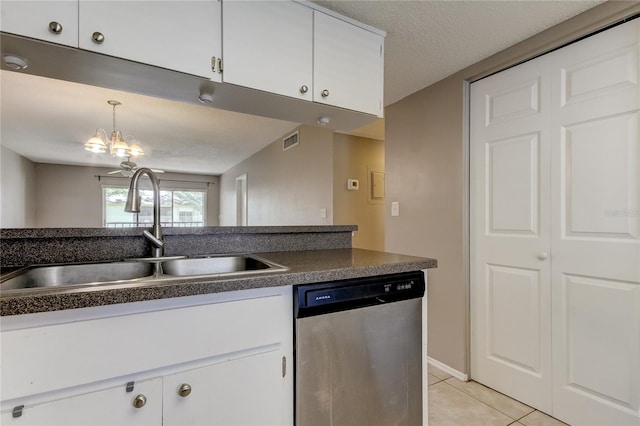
(242, 199)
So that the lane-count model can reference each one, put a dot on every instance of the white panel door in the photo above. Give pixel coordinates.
(583, 227)
(268, 45)
(596, 229)
(510, 239)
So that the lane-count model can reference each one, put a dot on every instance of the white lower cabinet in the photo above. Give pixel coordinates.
(205, 360)
(245, 391)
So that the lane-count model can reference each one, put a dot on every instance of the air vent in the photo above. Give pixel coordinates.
(291, 141)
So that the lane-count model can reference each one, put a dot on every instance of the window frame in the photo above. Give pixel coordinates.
(136, 223)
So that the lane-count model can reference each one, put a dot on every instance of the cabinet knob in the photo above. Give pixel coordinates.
(543, 255)
(304, 88)
(55, 27)
(97, 37)
(324, 93)
(139, 401)
(184, 390)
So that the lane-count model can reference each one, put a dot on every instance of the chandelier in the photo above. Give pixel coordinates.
(115, 144)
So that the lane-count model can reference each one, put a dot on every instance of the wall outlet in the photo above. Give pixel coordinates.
(395, 208)
(323, 213)
(353, 184)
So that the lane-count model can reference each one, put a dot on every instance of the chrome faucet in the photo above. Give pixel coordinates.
(133, 206)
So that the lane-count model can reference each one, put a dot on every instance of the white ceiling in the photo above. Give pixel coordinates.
(48, 120)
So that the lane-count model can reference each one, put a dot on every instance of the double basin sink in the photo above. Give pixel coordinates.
(136, 270)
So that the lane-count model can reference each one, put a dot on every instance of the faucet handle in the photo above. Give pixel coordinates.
(155, 241)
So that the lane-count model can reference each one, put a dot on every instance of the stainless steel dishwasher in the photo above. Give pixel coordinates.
(358, 357)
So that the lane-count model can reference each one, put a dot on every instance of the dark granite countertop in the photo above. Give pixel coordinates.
(24, 233)
(304, 267)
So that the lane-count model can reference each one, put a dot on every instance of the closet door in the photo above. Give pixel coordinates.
(555, 163)
(510, 233)
(595, 262)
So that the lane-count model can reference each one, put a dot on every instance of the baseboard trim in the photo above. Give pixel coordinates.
(450, 370)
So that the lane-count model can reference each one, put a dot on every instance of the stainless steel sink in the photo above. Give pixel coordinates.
(135, 271)
(75, 274)
(219, 264)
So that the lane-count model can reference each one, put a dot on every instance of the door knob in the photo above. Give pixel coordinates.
(304, 89)
(325, 93)
(543, 255)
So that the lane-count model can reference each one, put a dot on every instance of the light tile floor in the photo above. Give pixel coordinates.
(453, 402)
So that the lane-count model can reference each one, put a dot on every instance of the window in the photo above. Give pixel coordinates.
(178, 208)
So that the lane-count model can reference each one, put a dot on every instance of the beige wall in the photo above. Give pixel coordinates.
(71, 196)
(17, 190)
(354, 158)
(426, 175)
(284, 187)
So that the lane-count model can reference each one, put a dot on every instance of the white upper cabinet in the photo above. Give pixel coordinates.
(178, 35)
(348, 66)
(290, 49)
(52, 21)
(268, 45)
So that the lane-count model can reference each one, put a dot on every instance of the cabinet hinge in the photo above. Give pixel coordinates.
(17, 411)
(284, 366)
(129, 387)
(216, 64)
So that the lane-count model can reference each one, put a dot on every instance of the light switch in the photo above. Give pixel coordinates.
(395, 208)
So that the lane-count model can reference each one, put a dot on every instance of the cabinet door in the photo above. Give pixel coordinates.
(348, 66)
(245, 391)
(268, 45)
(53, 21)
(107, 407)
(178, 35)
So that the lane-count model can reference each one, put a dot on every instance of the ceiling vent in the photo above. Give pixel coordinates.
(291, 141)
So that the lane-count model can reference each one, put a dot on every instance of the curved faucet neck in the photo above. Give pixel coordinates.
(133, 205)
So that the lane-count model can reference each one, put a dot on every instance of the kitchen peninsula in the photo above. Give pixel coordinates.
(169, 351)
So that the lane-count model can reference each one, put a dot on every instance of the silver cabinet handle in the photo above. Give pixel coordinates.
(184, 390)
(55, 27)
(304, 88)
(324, 93)
(97, 37)
(543, 255)
(139, 401)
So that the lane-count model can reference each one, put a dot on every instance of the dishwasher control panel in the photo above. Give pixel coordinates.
(314, 299)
